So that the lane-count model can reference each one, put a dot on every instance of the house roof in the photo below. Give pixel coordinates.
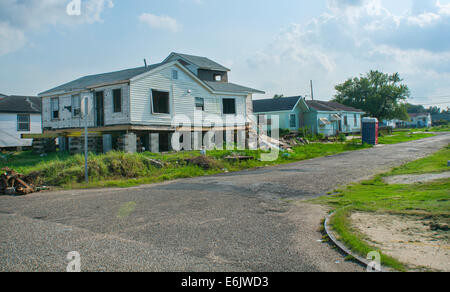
(201, 62)
(21, 104)
(441, 117)
(104, 78)
(231, 87)
(330, 106)
(415, 115)
(275, 105)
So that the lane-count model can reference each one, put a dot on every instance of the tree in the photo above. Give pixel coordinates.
(434, 110)
(380, 95)
(278, 96)
(415, 109)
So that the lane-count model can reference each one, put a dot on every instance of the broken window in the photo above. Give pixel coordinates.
(293, 121)
(160, 102)
(199, 104)
(55, 108)
(23, 123)
(117, 100)
(76, 106)
(229, 106)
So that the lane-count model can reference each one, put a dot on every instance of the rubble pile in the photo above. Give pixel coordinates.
(13, 183)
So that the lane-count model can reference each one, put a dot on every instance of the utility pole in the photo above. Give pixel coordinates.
(86, 153)
(312, 91)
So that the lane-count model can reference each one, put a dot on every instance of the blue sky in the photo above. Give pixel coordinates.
(276, 46)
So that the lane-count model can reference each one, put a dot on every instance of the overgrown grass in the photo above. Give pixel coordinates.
(428, 199)
(399, 137)
(117, 169)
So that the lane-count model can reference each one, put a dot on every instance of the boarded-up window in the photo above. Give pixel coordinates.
(23, 123)
(76, 106)
(55, 108)
(229, 106)
(117, 100)
(160, 102)
(199, 104)
(293, 121)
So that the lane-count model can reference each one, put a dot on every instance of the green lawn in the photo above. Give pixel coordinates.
(118, 169)
(399, 137)
(428, 199)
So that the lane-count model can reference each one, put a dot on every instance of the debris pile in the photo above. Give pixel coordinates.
(12, 183)
(287, 142)
(238, 157)
(204, 162)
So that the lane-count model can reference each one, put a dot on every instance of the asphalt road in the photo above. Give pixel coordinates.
(247, 221)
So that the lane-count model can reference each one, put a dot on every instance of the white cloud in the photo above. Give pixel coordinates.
(12, 39)
(21, 17)
(355, 36)
(160, 22)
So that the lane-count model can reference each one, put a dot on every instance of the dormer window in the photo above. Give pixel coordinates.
(217, 77)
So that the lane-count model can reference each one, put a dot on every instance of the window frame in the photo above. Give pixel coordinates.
(293, 120)
(345, 120)
(217, 77)
(21, 122)
(196, 104)
(356, 119)
(153, 102)
(175, 74)
(52, 110)
(76, 106)
(223, 106)
(117, 108)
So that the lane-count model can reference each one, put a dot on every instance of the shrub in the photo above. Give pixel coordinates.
(342, 137)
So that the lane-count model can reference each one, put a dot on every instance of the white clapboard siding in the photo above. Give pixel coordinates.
(10, 137)
(66, 120)
(182, 97)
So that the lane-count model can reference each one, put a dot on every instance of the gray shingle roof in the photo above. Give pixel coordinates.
(330, 106)
(202, 62)
(231, 87)
(21, 104)
(105, 78)
(275, 105)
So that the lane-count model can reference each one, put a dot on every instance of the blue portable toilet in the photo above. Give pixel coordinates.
(370, 131)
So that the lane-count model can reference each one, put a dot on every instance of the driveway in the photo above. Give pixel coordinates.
(252, 220)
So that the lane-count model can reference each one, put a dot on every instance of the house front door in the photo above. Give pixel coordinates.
(99, 109)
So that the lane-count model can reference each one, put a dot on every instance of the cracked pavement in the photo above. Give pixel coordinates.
(253, 220)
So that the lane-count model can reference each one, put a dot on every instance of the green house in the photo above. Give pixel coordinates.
(325, 117)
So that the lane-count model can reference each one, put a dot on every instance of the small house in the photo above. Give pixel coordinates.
(19, 115)
(138, 109)
(420, 120)
(320, 117)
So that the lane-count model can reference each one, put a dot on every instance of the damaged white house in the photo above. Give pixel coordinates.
(135, 109)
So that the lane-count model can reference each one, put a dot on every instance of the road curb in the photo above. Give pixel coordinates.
(342, 247)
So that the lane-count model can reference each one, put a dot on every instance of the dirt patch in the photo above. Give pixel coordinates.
(413, 179)
(412, 240)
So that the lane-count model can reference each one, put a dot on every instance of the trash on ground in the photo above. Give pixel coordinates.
(13, 183)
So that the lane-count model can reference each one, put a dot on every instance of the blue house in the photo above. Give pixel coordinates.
(325, 117)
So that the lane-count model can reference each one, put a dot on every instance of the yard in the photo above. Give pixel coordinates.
(402, 221)
(117, 169)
